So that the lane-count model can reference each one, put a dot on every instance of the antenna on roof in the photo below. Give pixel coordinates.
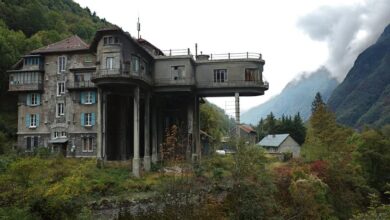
(138, 27)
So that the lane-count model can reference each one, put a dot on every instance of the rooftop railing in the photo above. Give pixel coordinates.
(229, 56)
(177, 52)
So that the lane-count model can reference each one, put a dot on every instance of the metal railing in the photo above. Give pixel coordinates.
(230, 56)
(120, 73)
(170, 81)
(232, 83)
(177, 52)
(80, 85)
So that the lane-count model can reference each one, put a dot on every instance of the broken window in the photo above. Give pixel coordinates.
(251, 74)
(110, 40)
(178, 72)
(220, 75)
(31, 143)
(60, 109)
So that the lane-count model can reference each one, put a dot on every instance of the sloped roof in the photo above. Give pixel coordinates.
(247, 128)
(146, 44)
(73, 43)
(273, 140)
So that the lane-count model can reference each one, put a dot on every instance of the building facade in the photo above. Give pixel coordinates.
(119, 97)
(280, 143)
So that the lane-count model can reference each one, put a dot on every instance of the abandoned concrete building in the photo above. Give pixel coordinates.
(116, 98)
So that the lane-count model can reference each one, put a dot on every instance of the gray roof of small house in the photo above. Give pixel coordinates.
(273, 140)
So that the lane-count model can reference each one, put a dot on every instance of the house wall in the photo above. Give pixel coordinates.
(289, 145)
(47, 109)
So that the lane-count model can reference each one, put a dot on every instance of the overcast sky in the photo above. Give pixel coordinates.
(293, 36)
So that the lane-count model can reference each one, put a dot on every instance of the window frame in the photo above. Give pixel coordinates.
(87, 144)
(61, 64)
(109, 63)
(88, 98)
(33, 121)
(34, 99)
(220, 75)
(60, 109)
(88, 119)
(60, 89)
(135, 64)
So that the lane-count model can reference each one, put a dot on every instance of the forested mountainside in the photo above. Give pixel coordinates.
(29, 24)
(296, 97)
(364, 95)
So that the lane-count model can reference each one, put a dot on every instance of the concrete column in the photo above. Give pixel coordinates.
(136, 160)
(122, 125)
(104, 125)
(190, 121)
(99, 147)
(196, 132)
(147, 132)
(237, 105)
(154, 132)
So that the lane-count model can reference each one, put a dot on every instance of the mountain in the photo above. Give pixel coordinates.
(296, 97)
(364, 95)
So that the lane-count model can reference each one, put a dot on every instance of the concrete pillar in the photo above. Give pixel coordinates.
(147, 132)
(196, 130)
(190, 121)
(136, 160)
(99, 147)
(122, 125)
(104, 125)
(154, 133)
(237, 105)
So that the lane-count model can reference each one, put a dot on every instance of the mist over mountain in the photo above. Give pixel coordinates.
(296, 97)
(364, 95)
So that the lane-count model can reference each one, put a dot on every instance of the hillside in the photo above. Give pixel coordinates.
(296, 97)
(364, 95)
(29, 24)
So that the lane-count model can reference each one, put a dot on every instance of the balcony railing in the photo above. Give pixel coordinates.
(231, 56)
(177, 52)
(120, 73)
(232, 84)
(33, 86)
(80, 85)
(173, 82)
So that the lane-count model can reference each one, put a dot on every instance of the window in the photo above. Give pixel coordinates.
(33, 99)
(25, 78)
(59, 134)
(251, 74)
(60, 109)
(87, 119)
(220, 75)
(29, 61)
(32, 120)
(110, 40)
(31, 143)
(87, 144)
(88, 98)
(110, 63)
(61, 64)
(60, 88)
(177, 72)
(135, 65)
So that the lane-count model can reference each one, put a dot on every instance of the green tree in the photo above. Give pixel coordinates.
(317, 102)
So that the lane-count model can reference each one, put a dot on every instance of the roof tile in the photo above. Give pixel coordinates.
(73, 43)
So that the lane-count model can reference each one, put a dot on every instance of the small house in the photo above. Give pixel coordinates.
(280, 143)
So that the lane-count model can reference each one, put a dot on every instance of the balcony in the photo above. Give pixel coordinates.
(25, 81)
(120, 76)
(34, 86)
(80, 85)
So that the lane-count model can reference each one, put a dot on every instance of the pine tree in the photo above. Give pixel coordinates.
(317, 102)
